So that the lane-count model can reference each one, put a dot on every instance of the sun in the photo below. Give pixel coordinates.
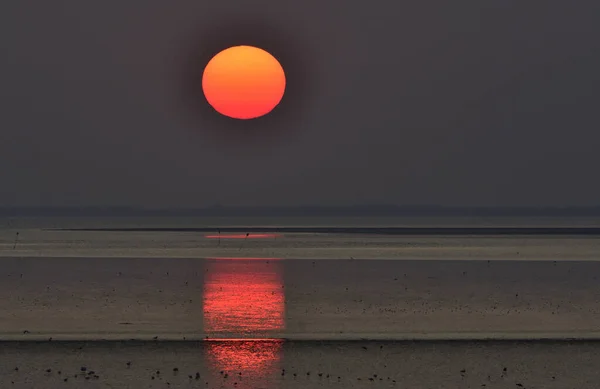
(243, 82)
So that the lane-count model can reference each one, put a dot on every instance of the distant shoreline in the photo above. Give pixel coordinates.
(435, 231)
(304, 211)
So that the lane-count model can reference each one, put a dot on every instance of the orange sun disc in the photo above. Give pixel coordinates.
(243, 82)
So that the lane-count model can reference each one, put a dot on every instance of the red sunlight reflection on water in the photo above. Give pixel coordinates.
(245, 356)
(244, 299)
(243, 259)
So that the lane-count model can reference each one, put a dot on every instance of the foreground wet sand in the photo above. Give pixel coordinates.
(273, 365)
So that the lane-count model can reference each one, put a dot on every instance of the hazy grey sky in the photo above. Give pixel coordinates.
(442, 102)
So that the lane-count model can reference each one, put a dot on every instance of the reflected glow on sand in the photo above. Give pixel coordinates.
(243, 298)
(244, 307)
(252, 358)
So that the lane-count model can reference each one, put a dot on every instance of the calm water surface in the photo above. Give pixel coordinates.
(143, 298)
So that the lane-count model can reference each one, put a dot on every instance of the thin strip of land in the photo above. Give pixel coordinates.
(431, 231)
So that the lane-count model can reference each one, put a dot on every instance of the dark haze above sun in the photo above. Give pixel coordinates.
(243, 82)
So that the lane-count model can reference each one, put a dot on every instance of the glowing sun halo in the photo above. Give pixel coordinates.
(243, 82)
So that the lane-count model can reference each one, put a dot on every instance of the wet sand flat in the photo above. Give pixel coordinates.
(274, 365)
(156, 309)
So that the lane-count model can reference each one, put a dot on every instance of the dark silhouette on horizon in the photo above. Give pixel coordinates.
(308, 211)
